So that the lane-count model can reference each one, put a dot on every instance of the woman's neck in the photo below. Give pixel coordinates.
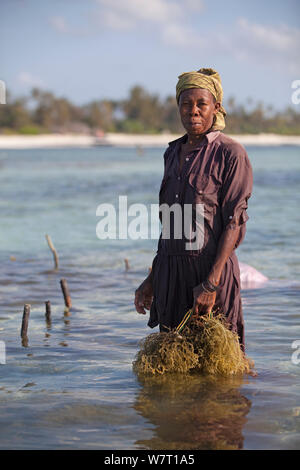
(193, 141)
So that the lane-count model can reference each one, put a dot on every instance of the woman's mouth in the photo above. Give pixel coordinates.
(194, 123)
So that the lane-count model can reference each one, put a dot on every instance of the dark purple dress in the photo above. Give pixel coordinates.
(217, 175)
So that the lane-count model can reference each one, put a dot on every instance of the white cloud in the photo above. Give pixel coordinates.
(278, 39)
(59, 24)
(194, 5)
(155, 11)
(167, 17)
(277, 46)
(26, 78)
(177, 35)
(113, 20)
(170, 21)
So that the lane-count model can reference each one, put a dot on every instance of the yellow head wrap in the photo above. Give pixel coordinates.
(210, 80)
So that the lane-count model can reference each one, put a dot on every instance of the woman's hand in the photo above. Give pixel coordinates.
(203, 301)
(144, 296)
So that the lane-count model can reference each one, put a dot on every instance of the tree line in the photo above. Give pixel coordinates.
(140, 112)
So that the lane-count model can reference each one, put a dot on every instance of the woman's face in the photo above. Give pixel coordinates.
(197, 108)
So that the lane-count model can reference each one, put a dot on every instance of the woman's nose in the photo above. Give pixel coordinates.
(194, 110)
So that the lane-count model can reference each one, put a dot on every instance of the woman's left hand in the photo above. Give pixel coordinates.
(203, 301)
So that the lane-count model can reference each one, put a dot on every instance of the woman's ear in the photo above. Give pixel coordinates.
(217, 107)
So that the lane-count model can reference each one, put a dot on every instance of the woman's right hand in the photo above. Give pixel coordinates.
(144, 296)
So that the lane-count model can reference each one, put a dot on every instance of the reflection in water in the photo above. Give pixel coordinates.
(193, 412)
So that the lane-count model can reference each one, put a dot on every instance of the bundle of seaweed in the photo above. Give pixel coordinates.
(205, 345)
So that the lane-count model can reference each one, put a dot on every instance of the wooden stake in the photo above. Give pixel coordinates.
(67, 297)
(48, 311)
(25, 320)
(51, 246)
(126, 264)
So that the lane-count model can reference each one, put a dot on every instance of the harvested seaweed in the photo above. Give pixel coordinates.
(204, 345)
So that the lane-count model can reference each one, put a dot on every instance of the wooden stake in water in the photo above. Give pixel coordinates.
(126, 264)
(48, 311)
(25, 320)
(55, 255)
(65, 290)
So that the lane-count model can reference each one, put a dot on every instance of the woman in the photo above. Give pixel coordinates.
(202, 167)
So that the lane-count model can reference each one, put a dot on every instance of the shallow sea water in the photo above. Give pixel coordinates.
(73, 387)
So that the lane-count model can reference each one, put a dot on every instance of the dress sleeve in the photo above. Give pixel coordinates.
(236, 190)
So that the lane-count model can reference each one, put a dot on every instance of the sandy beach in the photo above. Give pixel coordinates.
(128, 140)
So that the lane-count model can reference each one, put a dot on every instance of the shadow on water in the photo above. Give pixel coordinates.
(193, 412)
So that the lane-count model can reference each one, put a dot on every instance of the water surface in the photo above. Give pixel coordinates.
(73, 386)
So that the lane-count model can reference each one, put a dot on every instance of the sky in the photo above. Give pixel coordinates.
(96, 49)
